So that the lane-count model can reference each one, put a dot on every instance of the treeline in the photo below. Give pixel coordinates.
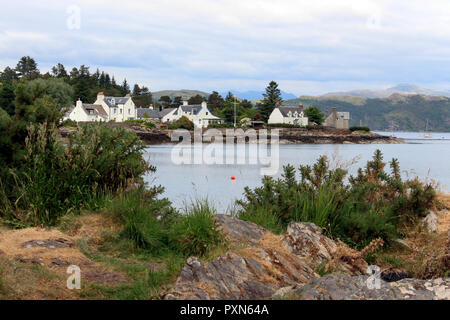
(83, 83)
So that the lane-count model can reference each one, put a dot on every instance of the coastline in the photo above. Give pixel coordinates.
(286, 136)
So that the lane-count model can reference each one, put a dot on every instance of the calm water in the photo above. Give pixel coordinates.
(425, 158)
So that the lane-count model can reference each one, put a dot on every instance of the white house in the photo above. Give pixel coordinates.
(199, 114)
(118, 109)
(83, 112)
(105, 108)
(288, 115)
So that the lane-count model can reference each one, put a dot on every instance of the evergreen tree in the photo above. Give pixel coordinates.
(215, 101)
(314, 115)
(125, 87)
(197, 99)
(271, 98)
(8, 75)
(7, 97)
(59, 71)
(27, 67)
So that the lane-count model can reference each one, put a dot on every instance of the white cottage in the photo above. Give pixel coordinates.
(118, 109)
(288, 115)
(83, 112)
(199, 114)
(105, 108)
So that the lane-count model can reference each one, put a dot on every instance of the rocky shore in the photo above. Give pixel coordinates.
(268, 266)
(286, 136)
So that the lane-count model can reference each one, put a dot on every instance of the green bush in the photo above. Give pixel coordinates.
(56, 179)
(147, 124)
(152, 224)
(374, 204)
(364, 129)
(69, 123)
(182, 123)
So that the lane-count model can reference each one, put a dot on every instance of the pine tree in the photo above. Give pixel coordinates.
(271, 98)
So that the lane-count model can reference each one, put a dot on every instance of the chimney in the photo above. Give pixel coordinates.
(326, 112)
(100, 96)
(79, 103)
(127, 95)
(335, 111)
(185, 103)
(277, 104)
(151, 106)
(301, 107)
(204, 103)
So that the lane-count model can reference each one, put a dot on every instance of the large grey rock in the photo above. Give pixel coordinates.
(241, 231)
(257, 271)
(346, 287)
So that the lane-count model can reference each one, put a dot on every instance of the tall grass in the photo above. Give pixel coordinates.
(152, 224)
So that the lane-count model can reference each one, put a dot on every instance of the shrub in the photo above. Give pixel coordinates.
(374, 204)
(364, 129)
(57, 179)
(182, 123)
(195, 232)
(152, 224)
(69, 123)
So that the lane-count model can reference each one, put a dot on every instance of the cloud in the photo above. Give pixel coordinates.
(307, 46)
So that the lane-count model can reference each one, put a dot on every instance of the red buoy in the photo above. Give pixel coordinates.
(233, 178)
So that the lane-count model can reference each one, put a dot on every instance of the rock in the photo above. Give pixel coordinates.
(306, 239)
(346, 287)
(49, 243)
(238, 230)
(59, 262)
(260, 270)
(431, 221)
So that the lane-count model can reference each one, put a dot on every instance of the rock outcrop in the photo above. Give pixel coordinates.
(261, 263)
(340, 286)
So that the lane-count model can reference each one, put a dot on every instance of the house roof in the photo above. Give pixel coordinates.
(192, 108)
(112, 102)
(98, 109)
(285, 110)
(166, 111)
(152, 113)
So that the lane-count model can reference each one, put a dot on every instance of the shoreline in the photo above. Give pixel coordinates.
(286, 136)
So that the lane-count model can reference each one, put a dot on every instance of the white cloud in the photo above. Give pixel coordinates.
(308, 46)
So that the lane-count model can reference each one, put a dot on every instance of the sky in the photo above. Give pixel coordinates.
(308, 47)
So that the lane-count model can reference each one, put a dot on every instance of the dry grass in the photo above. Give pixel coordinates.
(20, 281)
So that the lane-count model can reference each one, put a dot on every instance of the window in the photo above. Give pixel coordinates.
(120, 111)
(129, 111)
(207, 113)
(115, 111)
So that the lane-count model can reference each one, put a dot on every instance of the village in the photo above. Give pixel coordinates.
(121, 109)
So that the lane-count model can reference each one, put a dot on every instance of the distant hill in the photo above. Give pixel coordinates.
(401, 88)
(184, 93)
(254, 94)
(405, 112)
